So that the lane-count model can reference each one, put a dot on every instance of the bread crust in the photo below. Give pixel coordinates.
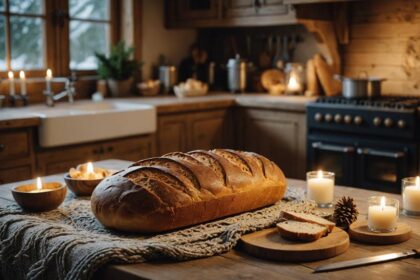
(143, 198)
(319, 221)
(300, 236)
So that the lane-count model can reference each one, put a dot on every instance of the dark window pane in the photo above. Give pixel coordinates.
(2, 44)
(1, 5)
(26, 6)
(27, 42)
(89, 9)
(86, 38)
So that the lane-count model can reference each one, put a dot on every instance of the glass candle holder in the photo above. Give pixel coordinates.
(294, 78)
(411, 196)
(382, 213)
(320, 187)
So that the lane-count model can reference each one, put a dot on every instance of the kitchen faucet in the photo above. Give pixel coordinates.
(69, 91)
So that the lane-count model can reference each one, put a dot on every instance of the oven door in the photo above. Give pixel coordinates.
(335, 157)
(382, 168)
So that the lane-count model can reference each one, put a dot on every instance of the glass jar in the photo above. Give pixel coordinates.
(320, 187)
(294, 78)
(411, 196)
(383, 214)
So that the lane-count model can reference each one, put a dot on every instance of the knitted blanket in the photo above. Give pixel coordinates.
(69, 243)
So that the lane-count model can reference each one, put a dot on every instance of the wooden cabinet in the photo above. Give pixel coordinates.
(57, 160)
(227, 13)
(278, 135)
(194, 130)
(17, 160)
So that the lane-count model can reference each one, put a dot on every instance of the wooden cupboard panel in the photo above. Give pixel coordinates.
(132, 149)
(14, 144)
(280, 136)
(15, 174)
(172, 133)
(207, 133)
(246, 8)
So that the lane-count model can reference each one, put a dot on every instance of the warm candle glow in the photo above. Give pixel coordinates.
(319, 174)
(418, 181)
(22, 75)
(89, 168)
(49, 74)
(383, 203)
(10, 75)
(38, 184)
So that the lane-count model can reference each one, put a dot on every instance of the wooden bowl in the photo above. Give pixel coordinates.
(81, 187)
(40, 201)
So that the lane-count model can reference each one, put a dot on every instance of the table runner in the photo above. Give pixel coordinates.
(69, 243)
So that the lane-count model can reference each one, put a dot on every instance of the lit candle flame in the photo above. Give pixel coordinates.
(22, 75)
(49, 74)
(319, 174)
(293, 83)
(38, 184)
(89, 168)
(383, 199)
(418, 181)
(10, 75)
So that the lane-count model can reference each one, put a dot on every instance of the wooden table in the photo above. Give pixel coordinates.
(238, 265)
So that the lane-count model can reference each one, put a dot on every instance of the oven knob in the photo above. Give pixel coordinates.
(318, 117)
(388, 122)
(328, 118)
(358, 120)
(402, 124)
(338, 118)
(377, 121)
(347, 119)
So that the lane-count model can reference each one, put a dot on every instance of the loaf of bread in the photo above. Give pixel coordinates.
(309, 218)
(183, 189)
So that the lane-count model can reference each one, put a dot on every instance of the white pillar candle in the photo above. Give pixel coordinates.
(411, 197)
(11, 83)
(22, 83)
(382, 217)
(321, 189)
(48, 79)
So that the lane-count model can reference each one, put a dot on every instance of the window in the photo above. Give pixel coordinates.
(22, 34)
(89, 32)
(59, 34)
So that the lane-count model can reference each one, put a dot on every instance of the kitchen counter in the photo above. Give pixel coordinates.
(21, 117)
(238, 265)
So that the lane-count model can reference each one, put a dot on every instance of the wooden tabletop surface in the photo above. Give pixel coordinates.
(238, 265)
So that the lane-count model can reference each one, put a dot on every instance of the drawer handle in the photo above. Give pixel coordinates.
(2, 147)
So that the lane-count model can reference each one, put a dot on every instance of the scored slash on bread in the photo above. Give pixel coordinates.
(309, 218)
(301, 231)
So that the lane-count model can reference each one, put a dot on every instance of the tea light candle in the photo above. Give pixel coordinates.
(382, 217)
(48, 79)
(411, 196)
(39, 197)
(320, 187)
(22, 83)
(11, 83)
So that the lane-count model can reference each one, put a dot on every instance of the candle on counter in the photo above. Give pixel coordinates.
(87, 171)
(411, 195)
(48, 79)
(39, 196)
(382, 216)
(11, 83)
(293, 85)
(22, 83)
(320, 187)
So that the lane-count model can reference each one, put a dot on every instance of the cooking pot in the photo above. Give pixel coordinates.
(359, 87)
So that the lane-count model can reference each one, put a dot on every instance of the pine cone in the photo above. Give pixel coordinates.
(345, 212)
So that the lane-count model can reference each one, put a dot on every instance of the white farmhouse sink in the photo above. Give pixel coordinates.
(86, 121)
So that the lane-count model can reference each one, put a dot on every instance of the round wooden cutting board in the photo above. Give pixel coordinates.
(359, 231)
(268, 244)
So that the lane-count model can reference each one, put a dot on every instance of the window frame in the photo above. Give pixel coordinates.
(57, 37)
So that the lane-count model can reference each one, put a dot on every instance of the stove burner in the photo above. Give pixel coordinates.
(393, 102)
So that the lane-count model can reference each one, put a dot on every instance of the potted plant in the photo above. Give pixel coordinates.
(118, 69)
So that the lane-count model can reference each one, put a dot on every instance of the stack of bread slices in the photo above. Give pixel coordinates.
(303, 227)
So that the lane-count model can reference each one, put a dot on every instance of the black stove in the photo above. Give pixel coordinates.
(369, 143)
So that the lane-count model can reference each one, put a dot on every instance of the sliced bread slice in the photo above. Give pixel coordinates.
(309, 218)
(301, 231)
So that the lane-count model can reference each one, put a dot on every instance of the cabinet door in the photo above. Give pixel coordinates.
(250, 8)
(191, 10)
(209, 130)
(172, 133)
(280, 136)
(15, 174)
(133, 148)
